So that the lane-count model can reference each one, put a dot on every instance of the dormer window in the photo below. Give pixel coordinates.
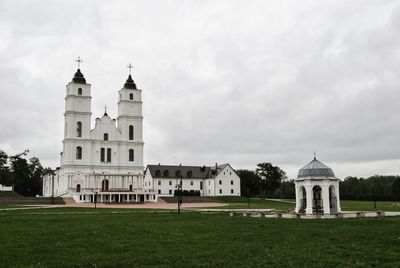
(79, 91)
(166, 173)
(158, 173)
(106, 136)
(131, 96)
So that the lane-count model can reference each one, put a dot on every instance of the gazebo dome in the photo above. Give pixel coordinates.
(315, 169)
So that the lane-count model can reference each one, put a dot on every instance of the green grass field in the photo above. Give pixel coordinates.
(141, 238)
(347, 205)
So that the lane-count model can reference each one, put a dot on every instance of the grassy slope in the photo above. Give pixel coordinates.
(142, 239)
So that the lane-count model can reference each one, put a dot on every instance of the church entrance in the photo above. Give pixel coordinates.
(317, 201)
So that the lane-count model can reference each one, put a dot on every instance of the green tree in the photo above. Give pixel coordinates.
(396, 187)
(4, 169)
(250, 183)
(271, 176)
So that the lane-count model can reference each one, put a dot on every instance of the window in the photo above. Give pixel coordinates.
(78, 188)
(224, 172)
(220, 182)
(79, 91)
(201, 185)
(130, 132)
(131, 96)
(79, 129)
(170, 191)
(102, 153)
(159, 191)
(191, 183)
(105, 136)
(159, 182)
(131, 155)
(189, 173)
(220, 191)
(108, 154)
(170, 182)
(231, 182)
(178, 173)
(130, 188)
(208, 182)
(158, 173)
(230, 173)
(166, 173)
(79, 152)
(104, 185)
(231, 191)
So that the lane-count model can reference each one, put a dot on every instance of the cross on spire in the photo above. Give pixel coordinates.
(130, 67)
(315, 155)
(79, 60)
(105, 109)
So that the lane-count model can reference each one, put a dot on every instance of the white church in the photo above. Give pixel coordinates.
(105, 164)
(106, 161)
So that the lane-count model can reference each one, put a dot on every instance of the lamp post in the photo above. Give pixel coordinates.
(179, 194)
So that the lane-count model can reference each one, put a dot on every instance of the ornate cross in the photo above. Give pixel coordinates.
(79, 60)
(105, 108)
(130, 67)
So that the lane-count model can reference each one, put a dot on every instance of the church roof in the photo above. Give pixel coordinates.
(78, 77)
(130, 84)
(187, 172)
(315, 170)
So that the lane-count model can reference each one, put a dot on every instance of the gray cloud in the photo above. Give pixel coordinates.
(224, 81)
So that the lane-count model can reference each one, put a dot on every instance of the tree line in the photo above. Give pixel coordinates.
(270, 181)
(267, 181)
(22, 173)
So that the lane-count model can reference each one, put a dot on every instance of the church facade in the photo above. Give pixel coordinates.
(104, 163)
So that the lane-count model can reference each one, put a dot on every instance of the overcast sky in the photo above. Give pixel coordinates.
(223, 81)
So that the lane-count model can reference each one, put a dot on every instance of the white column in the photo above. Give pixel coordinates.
(339, 209)
(309, 209)
(127, 198)
(325, 199)
(298, 198)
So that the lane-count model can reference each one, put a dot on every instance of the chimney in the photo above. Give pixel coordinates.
(216, 166)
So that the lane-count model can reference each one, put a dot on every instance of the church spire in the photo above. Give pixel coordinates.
(130, 84)
(78, 76)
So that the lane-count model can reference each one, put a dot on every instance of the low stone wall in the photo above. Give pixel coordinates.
(285, 215)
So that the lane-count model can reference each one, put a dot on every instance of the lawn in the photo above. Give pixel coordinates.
(141, 238)
(237, 202)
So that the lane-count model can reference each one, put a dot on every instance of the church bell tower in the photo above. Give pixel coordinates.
(77, 119)
(130, 118)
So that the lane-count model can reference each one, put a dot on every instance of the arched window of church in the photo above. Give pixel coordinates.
(130, 132)
(79, 152)
(102, 153)
(131, 155)
(131, 96)
(79, 91)
(108, 154)
(78, 188)
(79, 129)
(106, 136)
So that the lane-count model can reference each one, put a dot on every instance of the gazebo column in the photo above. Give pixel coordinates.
(325, 199)
(339, 209)
(309, 209)
(298, 199)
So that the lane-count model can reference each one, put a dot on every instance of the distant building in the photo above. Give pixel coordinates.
(218, 180)
(4, 188)
(105, 162)
(317, 189)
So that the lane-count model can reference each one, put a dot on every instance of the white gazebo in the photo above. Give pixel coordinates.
(317, 189)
